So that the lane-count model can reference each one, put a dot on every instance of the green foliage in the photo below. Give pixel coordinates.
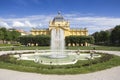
(101, 37)
(7, 35)
(14, 35)
(78, 39)
(41, 40)
(115, 35)
(108, 37)
(44, 40)
(1, 35)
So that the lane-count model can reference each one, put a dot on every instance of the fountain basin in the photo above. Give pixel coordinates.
(53, 58)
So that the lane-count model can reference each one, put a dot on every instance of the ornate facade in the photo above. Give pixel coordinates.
(60, 23)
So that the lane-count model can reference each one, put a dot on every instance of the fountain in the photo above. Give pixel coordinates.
(57, 55)
(57, 44)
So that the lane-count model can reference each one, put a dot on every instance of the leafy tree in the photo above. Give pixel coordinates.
(78, 39)
(41, 40)
(101, 37)
(104, 36)
(44, 40)
(14, 35)
(3, 33)
(115, 35)
(96, 36)
(7, 35)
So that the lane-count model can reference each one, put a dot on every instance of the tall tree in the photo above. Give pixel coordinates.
(101, 37)
(96, 36)
(104, 36)
(115, 35)
(3, 33)
(7, 35)
(14, 35)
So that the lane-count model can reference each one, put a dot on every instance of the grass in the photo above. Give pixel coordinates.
(1, 45)
(111, 48)
(81, 67)
(4, 45)
(25, 48)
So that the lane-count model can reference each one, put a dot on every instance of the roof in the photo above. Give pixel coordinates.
(58, 18)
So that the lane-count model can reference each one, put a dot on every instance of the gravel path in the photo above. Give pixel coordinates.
(109, 74)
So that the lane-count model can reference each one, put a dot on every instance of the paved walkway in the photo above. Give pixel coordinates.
(109, 74)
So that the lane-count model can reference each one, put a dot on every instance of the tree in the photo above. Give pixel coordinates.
(115, 35)
(104, 36)
(101, 37)
(96, 36)
(78, 39)
(7, 35)
(41, 40)
(14, 35)
(3, 33)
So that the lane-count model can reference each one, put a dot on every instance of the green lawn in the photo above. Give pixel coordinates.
(111, 48)
(25, 48)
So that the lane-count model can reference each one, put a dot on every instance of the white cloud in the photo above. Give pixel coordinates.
(95, 23)
(4, 24)
(28, 24)
(96, 20)
(18, 24)
(76, 21)
(23, 24)
(40, 25)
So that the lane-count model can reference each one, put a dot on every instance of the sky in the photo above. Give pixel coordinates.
(95, 15)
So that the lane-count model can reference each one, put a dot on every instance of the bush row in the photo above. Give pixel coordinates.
(44, 40)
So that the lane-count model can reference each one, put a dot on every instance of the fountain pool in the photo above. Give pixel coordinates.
(47, 57)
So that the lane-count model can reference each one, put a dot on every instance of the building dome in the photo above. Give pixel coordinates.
(58, 18)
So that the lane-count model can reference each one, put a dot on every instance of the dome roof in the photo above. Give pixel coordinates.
(58, 18)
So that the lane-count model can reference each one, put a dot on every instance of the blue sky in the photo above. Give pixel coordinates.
(95, 15)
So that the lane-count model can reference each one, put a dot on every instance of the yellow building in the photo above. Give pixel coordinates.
(60, 23)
